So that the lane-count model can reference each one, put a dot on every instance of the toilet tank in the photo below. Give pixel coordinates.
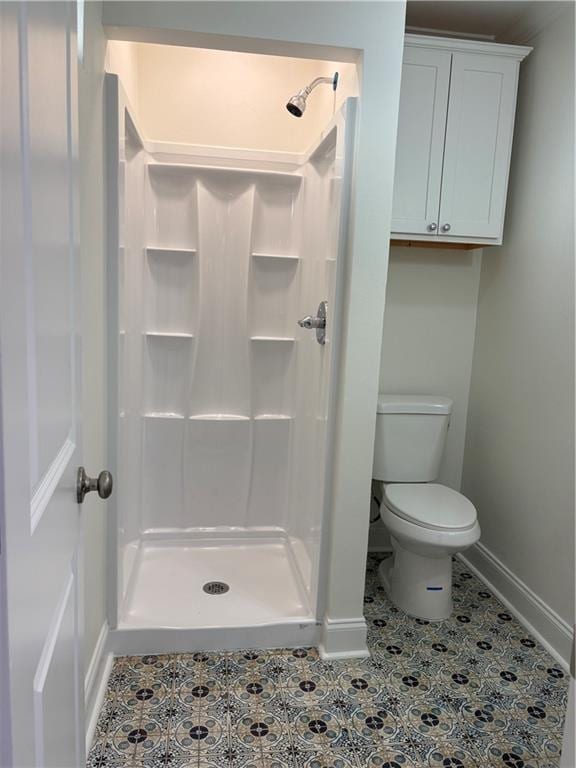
(410, 436)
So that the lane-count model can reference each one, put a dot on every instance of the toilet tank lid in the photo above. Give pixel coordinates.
(414, 404)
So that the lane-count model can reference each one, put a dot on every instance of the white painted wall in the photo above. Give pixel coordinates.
(428, 340)
(91, 79)
(122, 60)
(519, 458)
(218, 98)
(225, 98)
(325, 30)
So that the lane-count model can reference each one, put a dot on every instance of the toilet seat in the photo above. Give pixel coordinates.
(430, 505)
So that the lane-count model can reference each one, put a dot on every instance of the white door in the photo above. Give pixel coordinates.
(420, 143)
(478, 145)
(39, 386)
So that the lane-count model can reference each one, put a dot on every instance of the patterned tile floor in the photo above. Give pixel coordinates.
(474, 691)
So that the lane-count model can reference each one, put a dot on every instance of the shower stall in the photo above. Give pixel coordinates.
(221, 404)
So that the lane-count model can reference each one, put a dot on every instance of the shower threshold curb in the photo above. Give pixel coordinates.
(125, 641)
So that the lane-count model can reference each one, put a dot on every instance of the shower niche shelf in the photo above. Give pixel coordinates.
(273, 417)
(166, 169)
(283, 259)
(165, 253)
(273, 293)
(172, 416)
(171, 289)
(273, 375)
(162, 487)
(226, 417)
(272, 441)
(166, 365)
(218, 417)
(276, 209)
(172, 218)
(168, 335)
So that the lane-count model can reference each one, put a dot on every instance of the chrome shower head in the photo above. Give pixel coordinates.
(297, 103)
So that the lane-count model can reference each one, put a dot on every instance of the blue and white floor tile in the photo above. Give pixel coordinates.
(474, 691)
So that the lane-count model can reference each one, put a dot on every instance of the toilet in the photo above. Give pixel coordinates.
(427, 522)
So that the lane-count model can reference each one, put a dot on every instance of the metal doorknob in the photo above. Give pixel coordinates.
(84, 484)
(445, 227)
(432, 227)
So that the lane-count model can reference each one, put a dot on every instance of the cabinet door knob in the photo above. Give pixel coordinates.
(445, 227)
(432, 227)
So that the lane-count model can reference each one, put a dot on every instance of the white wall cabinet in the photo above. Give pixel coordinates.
(457, 105)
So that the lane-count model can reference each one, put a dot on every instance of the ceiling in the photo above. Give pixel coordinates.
(490, 18)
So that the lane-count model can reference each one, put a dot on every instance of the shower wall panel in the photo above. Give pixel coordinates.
(321, 201)
(132, 183)
(223, 397)
(221, 374)
(220, 275)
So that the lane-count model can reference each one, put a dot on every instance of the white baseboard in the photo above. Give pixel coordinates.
(95, 683)
(343, 639)
(543, 622)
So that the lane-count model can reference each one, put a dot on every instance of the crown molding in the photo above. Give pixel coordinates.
(431, 32)
(517, 52)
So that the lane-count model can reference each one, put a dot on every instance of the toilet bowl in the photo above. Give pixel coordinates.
(427, 522)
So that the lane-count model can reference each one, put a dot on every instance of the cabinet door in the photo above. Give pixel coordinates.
(420, 144)
(478, 143)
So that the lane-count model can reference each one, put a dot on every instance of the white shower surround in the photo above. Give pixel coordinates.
(223, 401)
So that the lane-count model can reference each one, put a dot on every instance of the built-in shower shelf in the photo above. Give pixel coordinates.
(273, 417)
(218, 417)
(195, 170)
(171, 252)
(163, 415)
(168, 335)
(288, 257)
(283, 339)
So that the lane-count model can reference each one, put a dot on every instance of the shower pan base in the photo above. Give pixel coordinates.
(167, 608)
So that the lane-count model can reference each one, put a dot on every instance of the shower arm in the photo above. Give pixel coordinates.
(305, 92)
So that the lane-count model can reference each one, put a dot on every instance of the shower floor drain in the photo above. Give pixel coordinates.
(215, 587)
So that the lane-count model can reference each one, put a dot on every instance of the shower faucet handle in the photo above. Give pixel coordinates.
(318, 322)
(310, 322)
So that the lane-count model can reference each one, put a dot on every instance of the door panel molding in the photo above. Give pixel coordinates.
(57, 669)
(49, 483)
